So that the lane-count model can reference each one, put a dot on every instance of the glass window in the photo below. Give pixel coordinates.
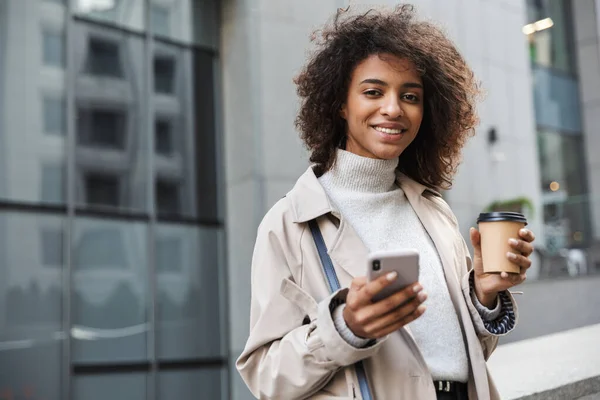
(556, 100)
(31, 314)
(54, 115)
(54, 48)
(32, 114)
(112, 145)
(102, 128)
(129, 386)
(52, 247)
(167, 197)
(124, 13)
(164, 74)
(564, 189)
(102, 190)
(110, 291)
(189, 21)
(185, 385)
(552, 47)
(161, 24)
(104, 58)
(53, 185)
(164, 140)
(188, 106)
(188, 292)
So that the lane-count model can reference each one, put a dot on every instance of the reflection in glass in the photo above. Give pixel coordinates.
(111, 155)
(552, 47)
(124, 13)
(32, 110)
(187, 21)
(188, 292)
(185, 147)
(130, 386)
(564, 188)
(30, 315)
(54, 48)
(186, 385)
(54, 115)
(110, 291)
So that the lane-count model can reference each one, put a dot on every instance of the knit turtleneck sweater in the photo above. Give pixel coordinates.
(365, 192)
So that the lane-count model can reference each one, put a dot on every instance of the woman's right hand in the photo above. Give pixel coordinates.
(370, 320)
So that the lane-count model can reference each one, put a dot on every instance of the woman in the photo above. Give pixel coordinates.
(388, 103)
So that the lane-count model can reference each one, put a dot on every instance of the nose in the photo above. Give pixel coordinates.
(391, 107)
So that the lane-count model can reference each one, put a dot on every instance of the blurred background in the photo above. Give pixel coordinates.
(142, 141)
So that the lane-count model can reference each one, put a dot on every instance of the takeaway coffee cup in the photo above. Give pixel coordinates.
(495, 229)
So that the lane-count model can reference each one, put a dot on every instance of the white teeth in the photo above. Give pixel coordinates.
(388, 131)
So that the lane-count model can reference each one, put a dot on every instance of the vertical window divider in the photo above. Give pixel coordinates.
(67, 281)
(148, 109)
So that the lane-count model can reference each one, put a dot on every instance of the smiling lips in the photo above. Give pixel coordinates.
(390, 131)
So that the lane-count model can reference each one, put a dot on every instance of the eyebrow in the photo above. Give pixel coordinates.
(374, 81)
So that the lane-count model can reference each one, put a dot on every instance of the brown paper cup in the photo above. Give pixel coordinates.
(495, 229)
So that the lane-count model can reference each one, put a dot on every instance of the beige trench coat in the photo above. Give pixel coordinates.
(287, 357)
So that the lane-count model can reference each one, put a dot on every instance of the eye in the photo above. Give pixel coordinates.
(413, 98)
(372, 93)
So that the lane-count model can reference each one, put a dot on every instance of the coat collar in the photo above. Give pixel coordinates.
(309, 200)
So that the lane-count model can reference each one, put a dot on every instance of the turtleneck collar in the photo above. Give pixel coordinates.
(361, 174)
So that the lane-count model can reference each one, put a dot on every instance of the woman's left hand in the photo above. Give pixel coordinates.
(487, 285)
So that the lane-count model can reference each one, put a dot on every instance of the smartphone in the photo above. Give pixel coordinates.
(403, 261)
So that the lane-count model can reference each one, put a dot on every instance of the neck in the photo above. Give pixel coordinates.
(361, 174)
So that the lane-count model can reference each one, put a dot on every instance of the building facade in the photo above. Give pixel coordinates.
(142, 141)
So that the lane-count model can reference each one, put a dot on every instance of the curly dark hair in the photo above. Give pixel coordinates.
(451, 91)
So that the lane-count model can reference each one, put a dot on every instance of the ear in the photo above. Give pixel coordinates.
(344, 111)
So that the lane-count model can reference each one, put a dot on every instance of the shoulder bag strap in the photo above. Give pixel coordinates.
(334, 285)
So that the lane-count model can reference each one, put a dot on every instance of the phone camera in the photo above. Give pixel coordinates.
(376, 265)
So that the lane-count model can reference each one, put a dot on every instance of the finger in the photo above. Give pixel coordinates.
(475, 241)
(394, 301)
(358, 282)
(527, 235)
(521, 246)
(372, 288)
(405, 321)
(513, 279)
(518, 259)
(396, 315)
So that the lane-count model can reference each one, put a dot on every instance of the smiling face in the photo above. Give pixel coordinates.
(384, 107)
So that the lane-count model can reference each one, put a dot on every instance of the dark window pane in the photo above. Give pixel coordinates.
(54, 49)
(167, 197)
(102, 190)
(164, 74)
(54, 115)
(102, 128)
(164, 141)
(192, 139)
(104, 58)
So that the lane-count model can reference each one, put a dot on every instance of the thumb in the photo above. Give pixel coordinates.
(475, 241)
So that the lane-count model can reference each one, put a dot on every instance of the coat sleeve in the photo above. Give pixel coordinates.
(286, 356)
(488, 331)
